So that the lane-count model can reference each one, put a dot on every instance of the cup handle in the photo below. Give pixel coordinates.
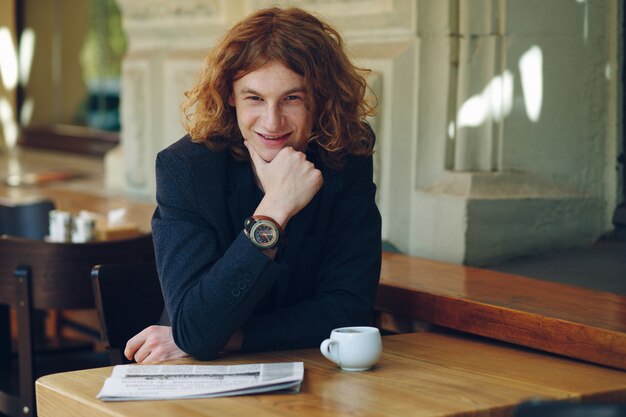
(325, 349)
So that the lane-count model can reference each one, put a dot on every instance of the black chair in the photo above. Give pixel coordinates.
(37, 275)
(25, 220)
(568, 409)
(128, 299)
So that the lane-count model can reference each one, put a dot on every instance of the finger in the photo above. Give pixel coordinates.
(134, 344)
(141, 354)
(151, 358)
(318, 179)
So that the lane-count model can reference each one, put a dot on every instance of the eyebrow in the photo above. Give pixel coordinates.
(301, 89)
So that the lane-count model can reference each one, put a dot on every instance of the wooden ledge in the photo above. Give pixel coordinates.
(571, 321)
(68, 138)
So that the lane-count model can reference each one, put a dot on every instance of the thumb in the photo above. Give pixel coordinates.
(256, 158)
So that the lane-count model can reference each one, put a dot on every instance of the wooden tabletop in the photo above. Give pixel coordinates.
(86, 192)
(419, 374)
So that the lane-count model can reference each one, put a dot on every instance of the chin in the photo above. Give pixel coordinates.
(268, 156)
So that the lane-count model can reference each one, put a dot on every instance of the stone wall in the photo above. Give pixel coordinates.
(497, 131)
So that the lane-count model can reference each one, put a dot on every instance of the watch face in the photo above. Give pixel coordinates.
(264, 234)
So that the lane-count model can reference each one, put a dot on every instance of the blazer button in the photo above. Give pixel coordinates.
(241, 285)
(236, 292)
(247, 277)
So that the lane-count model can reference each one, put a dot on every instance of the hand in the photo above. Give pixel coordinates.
(289, 181)
(153, 344)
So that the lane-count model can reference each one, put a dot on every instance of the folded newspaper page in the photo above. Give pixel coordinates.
(165, 382)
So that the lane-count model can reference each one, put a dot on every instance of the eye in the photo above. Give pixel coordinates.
(292, 98)
(253, 98)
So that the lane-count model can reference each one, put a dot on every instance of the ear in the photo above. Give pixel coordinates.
(231, 100)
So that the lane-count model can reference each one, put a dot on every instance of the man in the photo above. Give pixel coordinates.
(267, 235)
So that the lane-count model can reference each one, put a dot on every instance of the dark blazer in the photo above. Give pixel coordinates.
(216, 281)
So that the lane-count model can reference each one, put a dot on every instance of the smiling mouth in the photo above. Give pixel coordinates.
(274, 137)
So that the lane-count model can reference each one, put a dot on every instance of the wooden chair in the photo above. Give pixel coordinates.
(38, 275)
(128, 299)
(30, 221)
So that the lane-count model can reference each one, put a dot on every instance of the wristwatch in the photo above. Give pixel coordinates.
(263, 231)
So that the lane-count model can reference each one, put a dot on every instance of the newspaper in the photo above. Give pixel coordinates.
(162, 382)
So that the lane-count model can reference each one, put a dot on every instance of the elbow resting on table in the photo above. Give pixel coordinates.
(196, 343)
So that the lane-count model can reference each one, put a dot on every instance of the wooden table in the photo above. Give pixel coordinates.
(573, 321)
(87, 192)
(419, 374)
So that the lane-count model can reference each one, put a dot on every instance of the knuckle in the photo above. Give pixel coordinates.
(151, 343)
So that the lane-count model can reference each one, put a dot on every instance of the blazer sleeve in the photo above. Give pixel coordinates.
(347, 278)
(209, 292)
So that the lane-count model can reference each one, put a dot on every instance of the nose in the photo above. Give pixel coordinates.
(272, 118)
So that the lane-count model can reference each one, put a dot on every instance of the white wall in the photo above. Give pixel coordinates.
(497, 132)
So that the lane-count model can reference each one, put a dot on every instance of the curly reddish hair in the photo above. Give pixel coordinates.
(309, 47)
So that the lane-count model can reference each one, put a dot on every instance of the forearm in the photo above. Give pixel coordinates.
(220, 299)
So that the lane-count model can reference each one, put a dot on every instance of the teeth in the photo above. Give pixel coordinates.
(272, 137)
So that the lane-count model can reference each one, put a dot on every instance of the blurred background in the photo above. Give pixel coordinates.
(61, 67)
(500, 130)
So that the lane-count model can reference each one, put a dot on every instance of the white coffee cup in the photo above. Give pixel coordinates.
(353, 348)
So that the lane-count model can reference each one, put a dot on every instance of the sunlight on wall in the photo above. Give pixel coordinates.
(11, 73)
(8, 59)
(585, 19)
(607, 71)
(531, 72)
(26, 54)
(494, 103)
(9, 125)
(27, 110)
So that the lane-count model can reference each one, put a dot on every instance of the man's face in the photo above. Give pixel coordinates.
(272, 111)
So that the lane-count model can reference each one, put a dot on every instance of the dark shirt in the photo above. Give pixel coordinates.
(216, 281)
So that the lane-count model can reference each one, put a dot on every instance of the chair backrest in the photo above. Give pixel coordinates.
(25, 220)
(128, 299)
(35, 274)
(60, 271)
